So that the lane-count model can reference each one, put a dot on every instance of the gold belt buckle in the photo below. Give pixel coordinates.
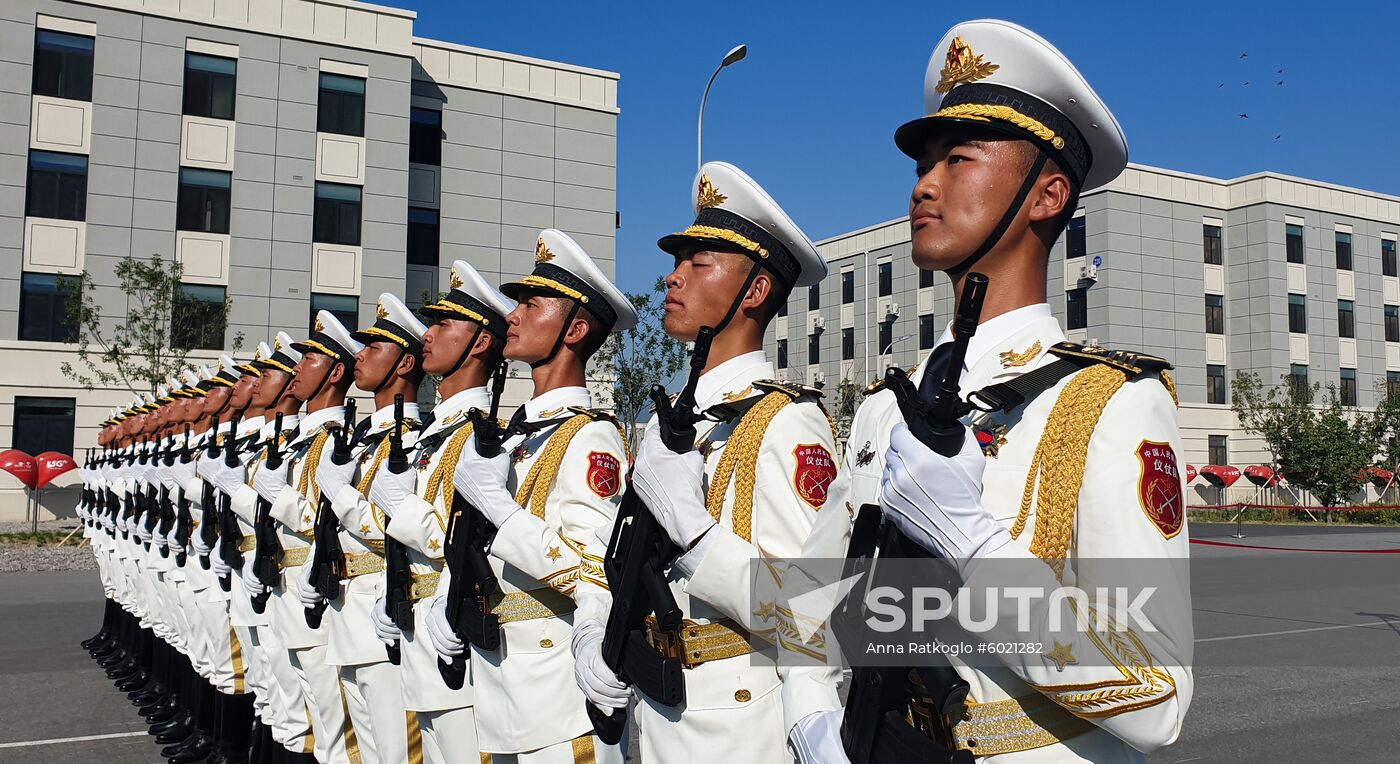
(668, 643)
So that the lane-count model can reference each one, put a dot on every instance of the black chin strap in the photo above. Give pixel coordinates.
(738, 298)
(325, 378)
(559, 341)
(466, 353)
(285, 386)
(1006, 219)
(388, 375)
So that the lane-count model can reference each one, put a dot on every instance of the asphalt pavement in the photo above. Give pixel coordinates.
(1297, 656)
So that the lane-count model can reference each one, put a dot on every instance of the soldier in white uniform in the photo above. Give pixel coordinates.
(1083, 468)
(750, 489)
(463, 345)
(388, 366)
(289, 496)
(556, 482)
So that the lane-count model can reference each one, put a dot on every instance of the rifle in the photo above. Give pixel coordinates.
(268, 548)
(162, 497)
(469, 535)
(182, 512)
(932, 698)
(639, 553)
(327, 557)
(398, 577)
(209, 529)
(229, 533)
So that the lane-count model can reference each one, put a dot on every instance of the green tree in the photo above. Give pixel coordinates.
(1277, 414)
(642, 356)
(843, 409)
(1385, 426)
(1329, 455)
(150, 343)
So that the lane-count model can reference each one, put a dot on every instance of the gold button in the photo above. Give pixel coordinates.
(546, 643)
(743, 696)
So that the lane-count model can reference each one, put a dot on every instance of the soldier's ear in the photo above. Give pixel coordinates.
(407, 364)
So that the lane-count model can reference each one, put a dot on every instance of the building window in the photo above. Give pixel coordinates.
(848, 344)
(1346, 319)
(1388, 257)
(204, 201)
(848, 287)
(345, 308)
(886, 336)
(1219, 450)
(1392, 384)
(928, 332)
(1294, 241)
(1215, 384)
(925, 278)
(1215, 314)
(886, 275)
(782, 354)
(425, 136)
(1076, 308)
(62, 65)
(210, 86)
(1297, 314)
(198, 317)
(43, 424)
(422, 236)
(1348, 387)
(340, 105)
(43, 308)
(337, 218)
(1211, 238)
(1298, 377)
(814, 297)
(1075, 244)
(1392, 323)
(1343, 251)
(814, 348)
(57, 186)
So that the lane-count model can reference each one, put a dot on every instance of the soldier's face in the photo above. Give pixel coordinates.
(243, 391)
(312, 371)
(966, 180)
(701, 288)
(374, 363)
(268, 386)
(534, 326)
(444, 343)
(214, 400)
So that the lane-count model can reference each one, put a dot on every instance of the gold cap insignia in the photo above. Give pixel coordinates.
(962, 65)
(380, 311)
(221, 365)
(542, 253)
(707, 195)
(320, 325)
(276, 343)
(457, 280)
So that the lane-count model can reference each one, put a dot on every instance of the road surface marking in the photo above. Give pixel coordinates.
(1297, 631)
(57, 740)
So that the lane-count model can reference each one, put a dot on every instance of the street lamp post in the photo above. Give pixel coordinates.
(732, 57)
(890, 347)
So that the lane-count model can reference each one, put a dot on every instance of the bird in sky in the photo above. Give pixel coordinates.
(1244, 116)
(1243, 56)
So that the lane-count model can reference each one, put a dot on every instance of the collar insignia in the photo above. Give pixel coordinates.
(962, 65)
(865, 455)
(456, 279)
(542, 253)
(1011, 358)
(742, 394)
(551, 413)
(708, 196)
(380, 311)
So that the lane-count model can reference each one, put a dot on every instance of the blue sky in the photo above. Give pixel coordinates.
(811, 111)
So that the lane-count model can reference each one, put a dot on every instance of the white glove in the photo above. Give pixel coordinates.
(217, 566)
(151, 476)
(388, 490)
(269, 482)
(250, 581)
(172, 539)
(598, 682)
(937, 501)
(178, 475)
(159, 539)
(200, 548)
(384, 627)
(305, 591)
(121, 523)
(332, 477)
(225, 478)
(142, 532)
(816, 738)
(670, 485)
(446, 643)
(482, 482)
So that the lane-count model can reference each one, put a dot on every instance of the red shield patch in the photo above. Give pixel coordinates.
(814, 472)
(603, 474)
(1159, 487)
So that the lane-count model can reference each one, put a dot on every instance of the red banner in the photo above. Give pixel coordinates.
(1190, 473)
(21, 465)
(51, 465)
(1260, 475)
(1220, 475)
